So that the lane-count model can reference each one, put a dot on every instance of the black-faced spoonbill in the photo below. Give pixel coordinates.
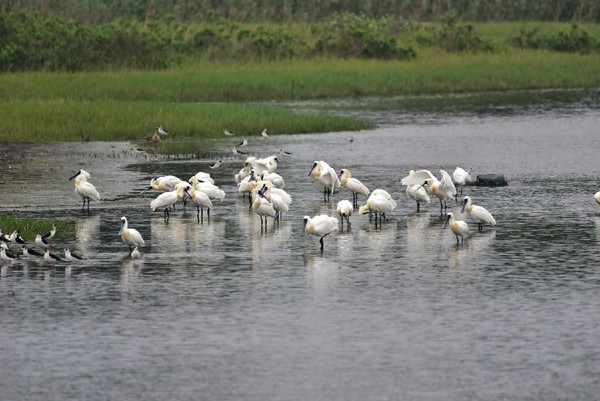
(344, 209)
(459, 228)
(200, 200)
(443, 188)
(262, 207)
(460, 177)
(418, 194)
(478, 213)
(327, 176)
(130, 236)
(320, 226)
(85, 189)
(353, 185)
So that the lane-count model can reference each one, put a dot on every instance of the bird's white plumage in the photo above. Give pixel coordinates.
(459, 228)
(130, 236)
(478, 213)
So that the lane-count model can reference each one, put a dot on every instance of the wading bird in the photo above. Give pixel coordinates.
(444, 189)
(200, 200)
(264, 133)
(322, 172)
(418, 194)
(597, 197)
(85, 189)
(228, 133)
(70, 256)
(51, 258)
(320, 226)
(478, 213)
(262, 207)
(162, 131)
(459, 228)
(460, 177)
(130, 236)
(215, 165)
(344, 209)
(353, 185)
(41, 241)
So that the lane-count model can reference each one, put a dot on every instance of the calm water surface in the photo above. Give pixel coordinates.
(221, 311)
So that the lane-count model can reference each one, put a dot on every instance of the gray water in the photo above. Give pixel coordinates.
(223, 311)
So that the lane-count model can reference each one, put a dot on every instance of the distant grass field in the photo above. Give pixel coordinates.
(201, 98)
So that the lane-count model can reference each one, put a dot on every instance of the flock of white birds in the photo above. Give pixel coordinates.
(258, 178)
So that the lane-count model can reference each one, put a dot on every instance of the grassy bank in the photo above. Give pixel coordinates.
(29, 227)
(127, 105)
(48, 120)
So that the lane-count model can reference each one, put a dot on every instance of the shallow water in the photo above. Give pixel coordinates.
(219, 310)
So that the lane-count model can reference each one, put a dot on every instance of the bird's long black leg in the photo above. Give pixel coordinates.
(321, 241)
(480, 226)
(418, 207)
(198, 213)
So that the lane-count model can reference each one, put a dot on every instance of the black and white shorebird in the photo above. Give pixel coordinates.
(264, 133)
(16, 238)
(41, 242)
(243, 143)
(71, 256)
(228, 133)
(215, 165)
(284, 152)
(237, 151)
(50, 234)
(3, 237)
(161, 131)
(30, 252)
(50, 257)
(6, 254)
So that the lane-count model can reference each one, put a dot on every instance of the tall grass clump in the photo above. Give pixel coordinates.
(29, 227)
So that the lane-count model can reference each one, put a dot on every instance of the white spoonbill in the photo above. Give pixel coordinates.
(444, 189)
(459, 228)
(478, 213)
(200, 200)
(86, 190)
(280, 199)
(164, 183)
(165, 200)
(418, 194)
(135, 254)
(378, 204)
(353, 185)
(262, 207)
(201, 176)
(130, 236)
(460, 177)
(276, 179)
(327, 176)
(213, 191)
(344, 209)
(320, 226)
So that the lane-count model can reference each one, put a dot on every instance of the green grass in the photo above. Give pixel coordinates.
(201, 98)
(50, 120)
(29, 227)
